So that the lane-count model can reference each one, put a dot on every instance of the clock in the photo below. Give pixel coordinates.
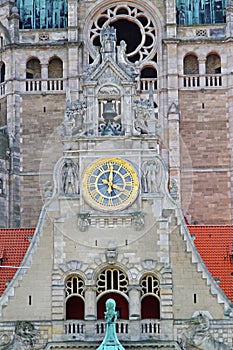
(110, 184)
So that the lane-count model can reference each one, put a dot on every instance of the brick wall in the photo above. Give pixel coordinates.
(204, 132)
(40, 148)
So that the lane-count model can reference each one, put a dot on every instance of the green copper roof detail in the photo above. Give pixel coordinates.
(110, 341)
(39, 14)
(191, 12)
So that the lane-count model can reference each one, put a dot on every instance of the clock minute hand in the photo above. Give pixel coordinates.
(116, 187)
(110, 178)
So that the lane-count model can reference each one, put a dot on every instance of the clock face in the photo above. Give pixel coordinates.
(110, 184)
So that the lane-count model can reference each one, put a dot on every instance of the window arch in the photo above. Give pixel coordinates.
(150, 297)
(74, 291)
(148, 76)
(190, 64)
(55, 68)
(33, 69)
(213, 64)
(112, 283)
(2, 72)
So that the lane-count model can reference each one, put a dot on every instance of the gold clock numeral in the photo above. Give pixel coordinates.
(94, 192)
(110, 202)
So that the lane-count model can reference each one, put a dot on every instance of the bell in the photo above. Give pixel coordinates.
(109, 111)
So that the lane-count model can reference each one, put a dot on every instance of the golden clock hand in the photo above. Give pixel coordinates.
(110, 178)
(106, 182)
(117, 187)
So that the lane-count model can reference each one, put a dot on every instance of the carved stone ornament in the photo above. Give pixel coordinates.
(24, 337)
(111, 254)
(173, 188)
(198, 336)
(70, 180)
(151, 176)
(138, 220)
(83, 221)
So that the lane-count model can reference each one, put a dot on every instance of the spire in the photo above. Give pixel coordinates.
(110, 341)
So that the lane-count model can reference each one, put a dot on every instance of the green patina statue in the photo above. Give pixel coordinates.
(110, 341)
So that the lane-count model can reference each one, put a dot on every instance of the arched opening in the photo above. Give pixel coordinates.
(74, 303)
(190, 64)
(150, 307)
(2, 72)
(33, 69)
(213, 64)
(55, 68)
(75, 308)
(148, 79)
(122, 306)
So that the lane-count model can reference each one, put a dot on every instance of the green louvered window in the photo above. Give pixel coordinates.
(39, 14)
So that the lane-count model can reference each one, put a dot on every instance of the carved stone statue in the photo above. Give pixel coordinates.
(151, 176)
(110, 341)
(24, 338)
(197, 335)
(70, 183)
(108, 42)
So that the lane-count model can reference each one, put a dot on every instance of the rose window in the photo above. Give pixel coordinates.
(133, 25)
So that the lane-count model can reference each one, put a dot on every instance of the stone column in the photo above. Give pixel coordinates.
(90, 303)
(134, 302)
(229, 19)
(44, 75)
(202, 71)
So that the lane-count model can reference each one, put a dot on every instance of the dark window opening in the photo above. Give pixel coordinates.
(150, 307)
(75, 308)
(122, 306)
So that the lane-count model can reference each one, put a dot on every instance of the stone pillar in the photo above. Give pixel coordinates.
(174, 145)
(44, 75)
(171, 18)
(229, 19)
(134, 303)
(202, 71)
(14, 25)
(72, 20)
(90, 303)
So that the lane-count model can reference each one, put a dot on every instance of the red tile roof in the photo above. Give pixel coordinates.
(13, 246)
(214, 244)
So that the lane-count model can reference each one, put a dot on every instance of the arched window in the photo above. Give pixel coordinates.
(2, 72)
(148, 77)
(150, 297)
(74, 291)
(112, 283)
(55, 69)
(33, 69)
(191, 65)
(213, 64)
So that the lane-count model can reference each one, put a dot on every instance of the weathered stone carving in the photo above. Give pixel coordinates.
(151, 176)
(83, 221)
(24, 338)
(48, 189)
(111, 254)
(138, 220)
(174, 189)
(197, 336)
(70, 182)
(144, 118)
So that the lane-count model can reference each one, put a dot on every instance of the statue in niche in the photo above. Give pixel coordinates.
(151, 176)
(173, 188)
(197, 335)
(70, 184)
(24, 338)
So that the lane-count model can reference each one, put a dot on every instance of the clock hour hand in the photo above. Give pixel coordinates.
(106, 182)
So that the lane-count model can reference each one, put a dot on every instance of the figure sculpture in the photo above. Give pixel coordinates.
(70, 178)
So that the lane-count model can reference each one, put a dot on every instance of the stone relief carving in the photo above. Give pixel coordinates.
(83, 221)
(151, 176)
(111, 253)
(70, 181)
(144, 118)
(197, 335)
(48, 189)
(138, 220)
(24, 337)
(173, 188)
